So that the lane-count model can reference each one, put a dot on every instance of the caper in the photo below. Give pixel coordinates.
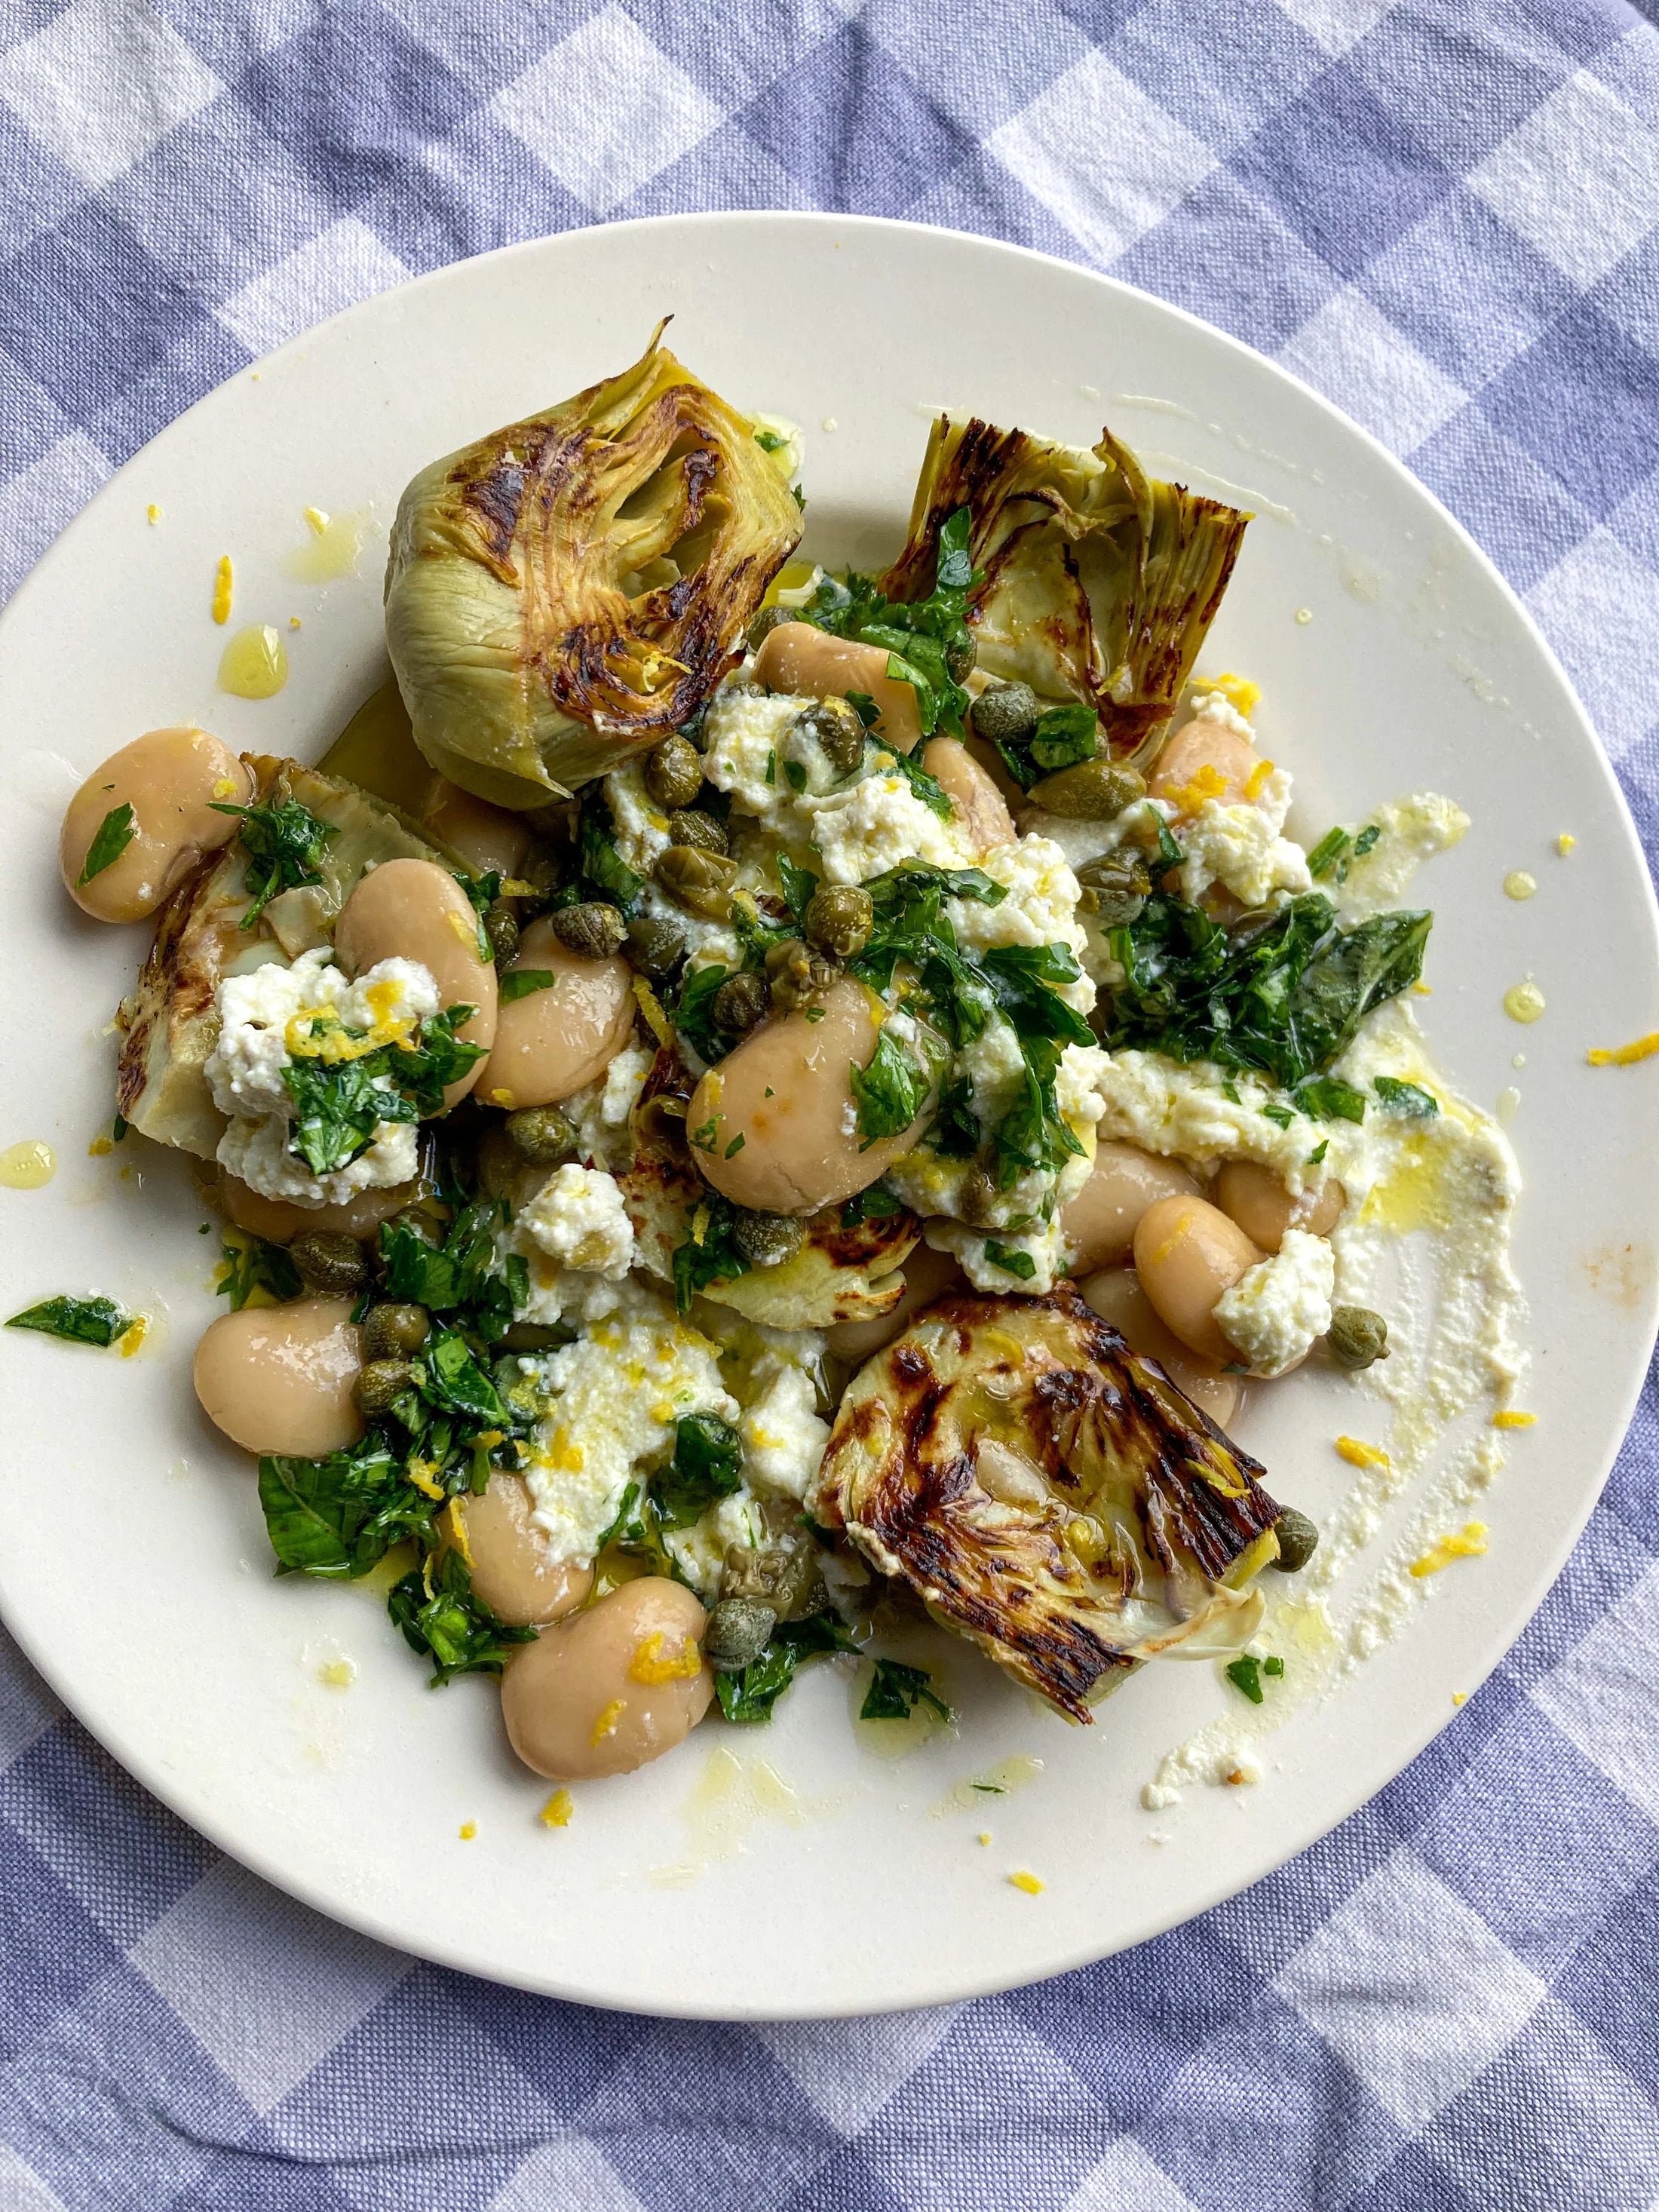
(1116, 887)
(1299, 1540)
(673, 774)
(327, 1262)
(768, 620)
(593, 929)
(656, 945)
(1093, 791)
(394, 1332)
(501, 928)
(839, 919)
(702, 881)
(766, 1240)
(783, 1576)
(689, 825)
(739, 1005)
(1005, 712)
(1356, 1336)
(381, 1382)
(796, 975)
(959, 658)
(541, 1135)
(979, 1200)
(738, 1631)
(835, 729)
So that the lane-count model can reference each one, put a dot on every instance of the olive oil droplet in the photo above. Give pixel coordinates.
(1518, 884)
(28, 1165)
(254, 665)
(1523, 1002)
(332, 548)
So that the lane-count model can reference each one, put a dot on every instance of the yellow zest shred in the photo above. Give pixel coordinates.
(1027, 1882)
(556, 1814)
(1510, 1420)
(457, 1529)
(1259, 775)
(651, 1007)
(223, 581)
(1624, 1055)
(1208, 782)
(469, 1829)
(1458, 1696)
(137, 1330)
(1564, 844)
(1424, 990)
(649, 1666)
(226, 787)
(317, 520)
(102, 1148)
(984, 1835)
(420, 1472)
(699, 1224)
(606, 1723)
(155, 514)
(337, 1673)
(1240, 694)
(1360, 1454)
(499, 1097)
(1470, 1544)
(464, 927)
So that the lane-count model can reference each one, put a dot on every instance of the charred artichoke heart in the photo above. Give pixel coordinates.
(567, 592)
(1048, 1494)
(1096, 583)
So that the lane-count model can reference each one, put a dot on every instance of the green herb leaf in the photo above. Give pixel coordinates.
(78, 1321)
(338, 1517)
(1012, 1262)
(748, 1697)
(927, 788)
(1406, 1098)
(875, 1204)
(715, 1260)
(954, 1131)
(284, 848)
(1328, 1098)
(693, 1012)
(800, 887)
(519, 982)
(920, 636)
(1245, 1674)
(1063, 737)
(890, 1092)
(605, 874)
(706, 1465)
(1329, 853)
(254, 1266)
(1282, 1115)
(453, 1378)
(770, 442)
(114, 834)
(895, 1691)
(452, 1625)
(1366, 840)
(1319, 1151)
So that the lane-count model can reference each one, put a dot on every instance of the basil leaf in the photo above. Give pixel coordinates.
(338, 1517)
(1328, 1098)
(1020, 1264)
(748, 1697)
(114, 834)
(1406, 1098)
(895, 1691)
(454, 1380)
(1063, 737)
(706, 1465)
(97, 1321)
(521, 981)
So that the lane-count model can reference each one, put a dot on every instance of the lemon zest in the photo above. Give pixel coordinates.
(1361, 1455)
(556, 1814)
(102, 1148)
(1624, 1055)
(1564, 844)
(1240, 694)
(1507, 1419)
(651, 1007)
(223, 585)
(420, 1472)
(137, 1330)
(606, 1723)
(649, 1665)
(1471, 1544)
(469, 1829)
(1259, 775)
(458, 1530)
(1027, 1882)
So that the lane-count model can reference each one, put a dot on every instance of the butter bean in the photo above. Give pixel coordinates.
(601, 1693)
(172, 779)
(415, 910)
(512, 1573)
(279, 1379)
(1254, 1197)
(1188, 1253)
(1117, 1296)
(979, 810)
(1100, 1222)
(810, 662)
(552, 1042)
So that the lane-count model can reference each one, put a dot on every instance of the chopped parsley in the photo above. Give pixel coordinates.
(890, 1092)
(1020, 1264)
(97, 1321)
(895, 1691)
(606, 875)
(339, 1104)
(874, 1204)
(251, 1264)
(709, 1254)
(1061, 737)
(442, 1616)
(482, 893)
(114, 835)
(521, 981)
(1405, 1098)
(921, 637)
(748, 1697)
(284, 847)
(706, 1465)
(1328, 1098)
(1245, 1674)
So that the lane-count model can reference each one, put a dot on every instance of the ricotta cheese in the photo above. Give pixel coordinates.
(617, 1395)
(578, 1218)
(1414, 828)
(1045, 1247)
(1039, 908)
(600, 1113)
(273, 1016)
(871, 825)
(1275, 1311)
(783, 1438)
(1237, 845)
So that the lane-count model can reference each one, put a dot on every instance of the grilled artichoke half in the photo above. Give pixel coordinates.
(1099, 583)
(570, 589)
(839, 1274)
(1048, 1495)
(169, 1020)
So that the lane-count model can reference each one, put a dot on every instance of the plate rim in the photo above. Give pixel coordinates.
(175, 1791)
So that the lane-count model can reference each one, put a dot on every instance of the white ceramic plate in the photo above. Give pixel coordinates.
(795, 1871)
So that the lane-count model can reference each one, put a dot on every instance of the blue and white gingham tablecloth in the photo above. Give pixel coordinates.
(1447, 217)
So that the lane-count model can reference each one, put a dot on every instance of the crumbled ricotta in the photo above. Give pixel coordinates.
(871, 825)
(1185, 1113)
(617, 1395)
(1238, 845)
(1414, 828)
(1216, 707)
(274, 1015)
(744, 732)
(783, 1438)
(600, 1113)
(1274, 1311)
(1046, 1248)
(1040, 908)
(700, 1550)
(578, 1218)
(642, 827)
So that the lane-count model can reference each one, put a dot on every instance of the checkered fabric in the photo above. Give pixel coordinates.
(1446, 217)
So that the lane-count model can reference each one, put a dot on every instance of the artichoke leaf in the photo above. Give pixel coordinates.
(1097, 582)
(566, 591)
(1048, 1494)
(169, 1020)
